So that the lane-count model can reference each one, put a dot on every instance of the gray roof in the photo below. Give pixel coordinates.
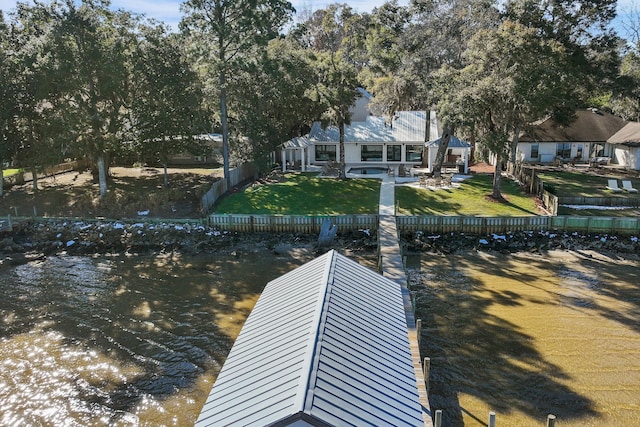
(454, 142)
(628, 135)
(588, 126)
(297, 142)
(327, 343)
(408, 126)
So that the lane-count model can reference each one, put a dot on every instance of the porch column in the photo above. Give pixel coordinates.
(284, 159)
(303, 161)
(467, 151)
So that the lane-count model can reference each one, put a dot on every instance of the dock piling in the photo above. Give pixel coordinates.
(492, 419)
(438, 420)
(551, 420)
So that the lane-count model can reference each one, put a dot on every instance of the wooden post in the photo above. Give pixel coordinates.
(551, 420)
(426, 369)
(9, 223)
(492, 419)
(35, 211)
(438, 420)
(418, 329)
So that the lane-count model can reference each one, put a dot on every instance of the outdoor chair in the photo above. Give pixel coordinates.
(423, 181)
(627, 186)
(613, 186)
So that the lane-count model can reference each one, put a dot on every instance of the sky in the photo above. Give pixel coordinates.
(168, 11)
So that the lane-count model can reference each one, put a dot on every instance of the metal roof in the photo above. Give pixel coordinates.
(454, 142)
(408, 126)
(326, 343)
(297, 142)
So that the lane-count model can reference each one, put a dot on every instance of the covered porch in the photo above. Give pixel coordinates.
(295, 154)
(457, 156)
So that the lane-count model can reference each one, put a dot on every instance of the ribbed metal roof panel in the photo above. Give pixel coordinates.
(408, 126)
(329, 340)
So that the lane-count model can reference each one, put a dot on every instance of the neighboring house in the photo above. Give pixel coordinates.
(625, 146)
(213, 141)
(584, 139)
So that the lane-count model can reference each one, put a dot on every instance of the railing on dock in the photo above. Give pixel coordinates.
(291, 223)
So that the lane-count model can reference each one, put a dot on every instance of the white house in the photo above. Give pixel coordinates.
(625, 146)
(372, 141)
(585, 138)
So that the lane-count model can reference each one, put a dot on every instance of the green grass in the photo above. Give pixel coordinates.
(9, 172)
(471, 198)
(576, 184)
(305, 194)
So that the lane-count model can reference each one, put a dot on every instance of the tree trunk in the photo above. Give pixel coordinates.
(514, 144)
(1, 178)
(225, 128)
(442, 150)
(166, 175)
(102, 176)
(497, 176)
(34, 179)
(342, 173)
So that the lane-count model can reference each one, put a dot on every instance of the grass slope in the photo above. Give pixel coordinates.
(471, 198)
(305, 194)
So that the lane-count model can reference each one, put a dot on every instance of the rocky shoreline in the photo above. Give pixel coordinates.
(34, 240)
(525, 241)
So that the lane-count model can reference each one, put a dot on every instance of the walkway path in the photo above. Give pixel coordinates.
(393, 268)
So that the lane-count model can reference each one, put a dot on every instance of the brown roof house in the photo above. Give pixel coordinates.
(584, 139)
(625, 146)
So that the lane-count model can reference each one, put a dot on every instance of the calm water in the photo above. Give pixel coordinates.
(525, 336)
(121, 341)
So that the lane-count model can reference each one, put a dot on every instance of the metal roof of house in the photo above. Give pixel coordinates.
(589, 126)
(297, 142)
(628, 135)
(326, 343)
(454, 142)
(408, 126)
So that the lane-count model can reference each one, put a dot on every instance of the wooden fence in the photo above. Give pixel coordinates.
(236, 175)
(633, 202)
(489, 225)
(291, 223)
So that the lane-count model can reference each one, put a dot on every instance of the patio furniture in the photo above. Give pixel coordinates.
(627, 186)
(423, 181)
(613, 186)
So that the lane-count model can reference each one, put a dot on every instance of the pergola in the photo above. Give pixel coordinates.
(290, 150)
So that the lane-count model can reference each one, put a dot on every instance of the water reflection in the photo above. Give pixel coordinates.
(121, 341)
(527, 335)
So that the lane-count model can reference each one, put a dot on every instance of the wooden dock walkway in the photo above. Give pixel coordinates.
(393, 268)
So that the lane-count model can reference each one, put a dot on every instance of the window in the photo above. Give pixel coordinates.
(414, 153)
(579, 152)
(371, 153)
(326, 153)
(535, 151)
(563, 150)
(394, 153)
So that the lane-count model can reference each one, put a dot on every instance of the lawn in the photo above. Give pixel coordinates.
(579, 184)
(10, 172)
(471, 198)
(305, 194)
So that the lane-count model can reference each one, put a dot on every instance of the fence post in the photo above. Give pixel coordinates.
(551, 420)
(426, 371)
(492, 419)
(438, 420)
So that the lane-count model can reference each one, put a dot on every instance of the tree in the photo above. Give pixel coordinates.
(513, 78)
(335, 70)
(94, 50)
(221, 32)
(273, 103)
(8, 97)
(167, 100)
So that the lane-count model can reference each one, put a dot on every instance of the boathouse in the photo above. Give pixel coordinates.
(325, 345)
